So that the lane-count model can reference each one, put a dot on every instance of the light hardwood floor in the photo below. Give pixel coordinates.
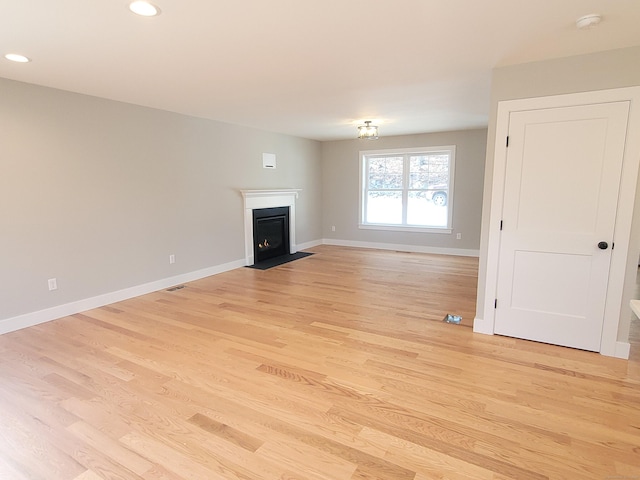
(336, 366)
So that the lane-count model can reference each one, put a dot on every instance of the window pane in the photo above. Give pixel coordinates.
(387, 181)
(385, 172)
(384, 207)
(429, 171)
(418, 181)
(423, 211)
(419, 163)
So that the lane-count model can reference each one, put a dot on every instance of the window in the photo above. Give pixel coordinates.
(408, 189)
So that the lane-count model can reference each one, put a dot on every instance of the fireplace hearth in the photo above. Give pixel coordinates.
(270, 233)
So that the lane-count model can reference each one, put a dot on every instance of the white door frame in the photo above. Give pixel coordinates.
(620, 255)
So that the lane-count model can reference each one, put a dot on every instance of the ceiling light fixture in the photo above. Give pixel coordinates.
(368, 131)
(144, 8)
(15, 57)
(590, 20)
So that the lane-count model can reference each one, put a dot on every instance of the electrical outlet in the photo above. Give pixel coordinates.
(458, 236)
(333, 228)
(53, 284)
(172, 259)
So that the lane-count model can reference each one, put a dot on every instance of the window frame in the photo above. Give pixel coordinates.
(405, 152)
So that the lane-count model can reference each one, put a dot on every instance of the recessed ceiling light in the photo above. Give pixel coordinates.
(14, 57)
(590, 20)
(144, 8)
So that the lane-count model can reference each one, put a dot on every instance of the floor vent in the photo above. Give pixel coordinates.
(173, 289)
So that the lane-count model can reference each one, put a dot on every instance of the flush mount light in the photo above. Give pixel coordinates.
(368, 131)
(144, 8)
(590, 20)
(15, 57)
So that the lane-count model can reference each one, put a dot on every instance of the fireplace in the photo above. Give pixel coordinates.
(270, 233)
(268, 200)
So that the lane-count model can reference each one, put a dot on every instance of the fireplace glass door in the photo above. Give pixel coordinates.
(270, 233)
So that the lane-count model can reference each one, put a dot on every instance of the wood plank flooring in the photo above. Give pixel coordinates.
(335, 366)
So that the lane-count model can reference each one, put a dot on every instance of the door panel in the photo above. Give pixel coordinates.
(562, 181)
(531, 274)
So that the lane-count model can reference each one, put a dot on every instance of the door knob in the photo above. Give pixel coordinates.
(603, 245)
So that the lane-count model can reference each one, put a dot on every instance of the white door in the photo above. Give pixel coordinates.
(562, 181)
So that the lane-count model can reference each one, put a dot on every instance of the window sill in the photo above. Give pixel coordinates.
(403, 228)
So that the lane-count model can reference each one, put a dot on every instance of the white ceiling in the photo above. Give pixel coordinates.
(310, 69)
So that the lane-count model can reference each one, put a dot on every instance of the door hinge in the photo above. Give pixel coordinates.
(500, 225)
(507, 140)
(495, 303)
(613, 245)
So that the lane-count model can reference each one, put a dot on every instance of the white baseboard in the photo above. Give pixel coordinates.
(623, 349)
(480, 326)
(304, 246)
(403, 248)
(34, 318)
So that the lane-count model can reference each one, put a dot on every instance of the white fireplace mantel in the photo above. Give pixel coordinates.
(255, 199)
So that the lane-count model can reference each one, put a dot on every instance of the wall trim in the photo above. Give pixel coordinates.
(480, 326)
(403, 248)
(304, 246)
(622, 350)
(34, 318)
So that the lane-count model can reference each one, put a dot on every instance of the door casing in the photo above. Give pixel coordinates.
(624, 253)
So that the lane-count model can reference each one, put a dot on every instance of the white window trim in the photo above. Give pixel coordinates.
(407, 228)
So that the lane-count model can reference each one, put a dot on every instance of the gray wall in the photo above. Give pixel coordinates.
(340, 187)
(599, 71)
(98, 193)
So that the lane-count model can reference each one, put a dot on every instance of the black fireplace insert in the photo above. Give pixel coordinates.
(270, 233)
